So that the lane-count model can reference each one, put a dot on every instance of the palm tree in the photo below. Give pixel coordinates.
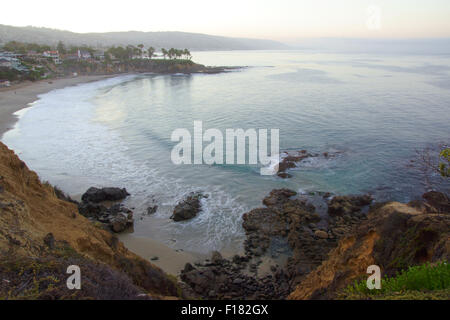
(140, 46)
(164, 52)
(151, 52)
(171, 53)
(187, 53)
(176, 53)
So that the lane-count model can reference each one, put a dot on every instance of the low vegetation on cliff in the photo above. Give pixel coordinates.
(426, 281)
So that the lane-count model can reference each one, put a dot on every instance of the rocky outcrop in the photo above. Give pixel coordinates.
(97, 195)
(291, 159)
(161, 66)
(327, 251)
(344, 205)
(119, 218)
(115, 217)
(187, 208)
(394, 237)
(30, 211)
(436, 202)
(288, 223)
(226, 279)
(309, 236)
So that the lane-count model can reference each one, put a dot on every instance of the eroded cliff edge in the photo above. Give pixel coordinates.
(327, 247)
(41, 235)
(394, 237)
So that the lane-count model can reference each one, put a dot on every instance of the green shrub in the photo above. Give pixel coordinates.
(423, 278)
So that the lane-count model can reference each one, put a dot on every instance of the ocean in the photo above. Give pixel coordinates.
(373, 112)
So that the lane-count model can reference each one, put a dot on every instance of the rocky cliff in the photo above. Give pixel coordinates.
(327, 246)
(160, 66)
(394, 237)
(41, 235)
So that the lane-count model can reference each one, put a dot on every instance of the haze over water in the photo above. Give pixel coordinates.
(374, 111)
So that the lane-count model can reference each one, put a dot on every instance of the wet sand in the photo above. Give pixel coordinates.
(170, 260)
(20, 95)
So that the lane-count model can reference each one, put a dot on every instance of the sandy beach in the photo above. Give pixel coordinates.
(170, 260)
(20, 95)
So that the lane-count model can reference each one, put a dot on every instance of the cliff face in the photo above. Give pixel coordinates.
(394, 237)
(139, 66)
(37, 227)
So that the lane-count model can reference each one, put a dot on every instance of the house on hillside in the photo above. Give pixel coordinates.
(4, 62)
(13, 63)
(99, 55)
(53, 54)
(84, 55)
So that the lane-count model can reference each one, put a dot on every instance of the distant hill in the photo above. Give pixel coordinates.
(192, 41)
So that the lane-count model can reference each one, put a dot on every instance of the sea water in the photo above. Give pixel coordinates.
(373, 112)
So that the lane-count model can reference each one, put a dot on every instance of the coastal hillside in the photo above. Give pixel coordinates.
(194, 41)
(410, 244)
(41, 235)
(395, 237)
(139, 66)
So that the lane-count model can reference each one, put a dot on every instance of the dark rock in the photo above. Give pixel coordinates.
(344, 205)
(104, 194)
(290, 161)
(91, 210)
(278, 196)
(117, 217)
(188, 267)
(216, 258)
(152, 209)
(49, 240)
(187, 208)
(155, 258)
(437, 200)
(119, 223)
(321, 234)
(238, 260)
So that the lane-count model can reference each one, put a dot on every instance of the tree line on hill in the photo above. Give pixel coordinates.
(118, 52)
(127, 53)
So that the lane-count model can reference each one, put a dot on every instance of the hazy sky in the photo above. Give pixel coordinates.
(284, 20)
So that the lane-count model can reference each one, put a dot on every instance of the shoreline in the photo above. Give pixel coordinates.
(17, 97)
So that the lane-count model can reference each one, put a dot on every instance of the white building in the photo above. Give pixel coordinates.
(54, 55)
(84, 55)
